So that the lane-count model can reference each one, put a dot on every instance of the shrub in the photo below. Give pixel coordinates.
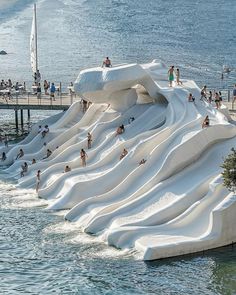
(229, 173)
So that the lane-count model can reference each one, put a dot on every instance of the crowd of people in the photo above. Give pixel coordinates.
(84, 155)
(47, 86)
(211, 96)
(8, 84)
(8, 88)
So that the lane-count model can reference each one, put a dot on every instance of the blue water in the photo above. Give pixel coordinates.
(40, 253)
(197, 36)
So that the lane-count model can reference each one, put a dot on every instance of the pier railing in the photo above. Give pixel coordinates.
(28, 100)
(22, 99)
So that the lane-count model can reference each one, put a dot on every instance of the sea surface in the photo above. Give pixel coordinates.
(40, 253)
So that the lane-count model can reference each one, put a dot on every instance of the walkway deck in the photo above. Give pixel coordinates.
(31, 102)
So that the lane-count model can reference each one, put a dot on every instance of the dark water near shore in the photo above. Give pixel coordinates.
(40, 253)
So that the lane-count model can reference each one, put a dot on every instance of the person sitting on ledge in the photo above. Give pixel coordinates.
(45, 131)
(24, 170)
(20, 154)
(120, 129)
(123, 154)
(106, 63)
(143, 161)
(49, 152)
(206, 122)
(191, 98)
(67, 169)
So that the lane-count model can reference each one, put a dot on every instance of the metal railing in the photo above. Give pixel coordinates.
(64, 96)
(33, 99)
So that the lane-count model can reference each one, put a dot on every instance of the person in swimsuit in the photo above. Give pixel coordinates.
(220, 98)
(24, 170)
(203, 92)
(178, 77)
(67, 169)
(89, 138)
(106, 63)
(217, 100)
(171, 75)
(123, 154)
(210, 97)
(143, 161)
(45, 131)
(84, 105)
(191, 98)
(120, 129)
(83, 157)
(4, 157)
(49, 152)
(206, 122)
(20, 154)
(38, 180)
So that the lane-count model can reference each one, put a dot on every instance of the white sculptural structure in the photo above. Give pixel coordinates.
(175, 202)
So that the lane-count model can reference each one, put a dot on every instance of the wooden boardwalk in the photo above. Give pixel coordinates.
(30, 102)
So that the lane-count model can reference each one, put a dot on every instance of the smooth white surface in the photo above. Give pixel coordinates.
(173, 204)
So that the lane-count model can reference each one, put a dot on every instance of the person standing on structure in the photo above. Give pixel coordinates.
(171, 75)
(52, 91)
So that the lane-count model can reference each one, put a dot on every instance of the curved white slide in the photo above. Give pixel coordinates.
(173, 203)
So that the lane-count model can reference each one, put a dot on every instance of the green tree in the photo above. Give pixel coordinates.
(229, 173)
